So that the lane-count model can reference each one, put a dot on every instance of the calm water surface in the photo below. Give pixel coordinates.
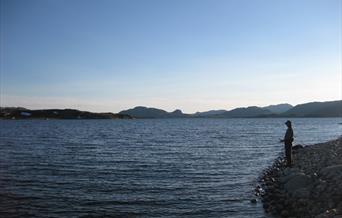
(142, 168)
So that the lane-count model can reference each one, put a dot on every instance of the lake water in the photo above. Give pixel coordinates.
(142, 168)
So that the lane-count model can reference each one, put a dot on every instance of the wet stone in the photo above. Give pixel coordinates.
(312, 188)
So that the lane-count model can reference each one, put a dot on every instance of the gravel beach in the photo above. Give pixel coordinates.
(311, 188)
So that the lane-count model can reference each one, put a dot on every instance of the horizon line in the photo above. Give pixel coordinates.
(53, 108)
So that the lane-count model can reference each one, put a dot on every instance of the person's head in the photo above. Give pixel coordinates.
(288, 123)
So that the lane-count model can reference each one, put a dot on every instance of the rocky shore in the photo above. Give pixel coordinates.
(311, 188)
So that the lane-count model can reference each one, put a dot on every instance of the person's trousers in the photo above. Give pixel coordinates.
(288, 153)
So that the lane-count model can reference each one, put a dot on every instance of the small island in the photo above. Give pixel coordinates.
(23, 113)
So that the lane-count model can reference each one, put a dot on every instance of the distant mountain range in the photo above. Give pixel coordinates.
(252, 111)
(279, 108)
(246, 112)
(312, 109)
(316, 109)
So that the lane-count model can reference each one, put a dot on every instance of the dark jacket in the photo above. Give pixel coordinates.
(288, 138)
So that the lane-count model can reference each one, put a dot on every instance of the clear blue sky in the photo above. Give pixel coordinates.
(195, 55)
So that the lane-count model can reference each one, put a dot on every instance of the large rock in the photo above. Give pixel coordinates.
(297, 147)
(297, 181)
(333, 171)
(301, 193)
(288, 174)
(292, 170)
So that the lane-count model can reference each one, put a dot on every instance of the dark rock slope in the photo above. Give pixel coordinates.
(311, 188)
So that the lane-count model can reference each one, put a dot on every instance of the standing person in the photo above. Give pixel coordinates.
(288, 139)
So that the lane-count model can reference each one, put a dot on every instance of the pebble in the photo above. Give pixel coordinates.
(284, 213)
(254, 201)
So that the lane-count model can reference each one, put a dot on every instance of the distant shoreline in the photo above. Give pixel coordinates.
(308, 110)
(22, 113)
(71, 114)
(311, 109)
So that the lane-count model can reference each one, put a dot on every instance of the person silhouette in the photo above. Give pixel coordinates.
(288, 139)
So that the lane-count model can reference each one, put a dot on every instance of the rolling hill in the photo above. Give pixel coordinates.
(316, 109)
(146, 112)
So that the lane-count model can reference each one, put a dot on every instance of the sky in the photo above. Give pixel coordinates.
(193, 55)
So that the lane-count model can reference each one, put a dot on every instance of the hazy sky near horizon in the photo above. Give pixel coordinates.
(195, 55)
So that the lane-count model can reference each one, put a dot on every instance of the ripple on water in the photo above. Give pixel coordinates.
(141, 168)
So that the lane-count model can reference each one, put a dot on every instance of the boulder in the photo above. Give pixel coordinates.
(284, 213)
(331, 171)
(301, 193)
(289, 171)
(297, 147)
(297, 181)
(288, 174)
